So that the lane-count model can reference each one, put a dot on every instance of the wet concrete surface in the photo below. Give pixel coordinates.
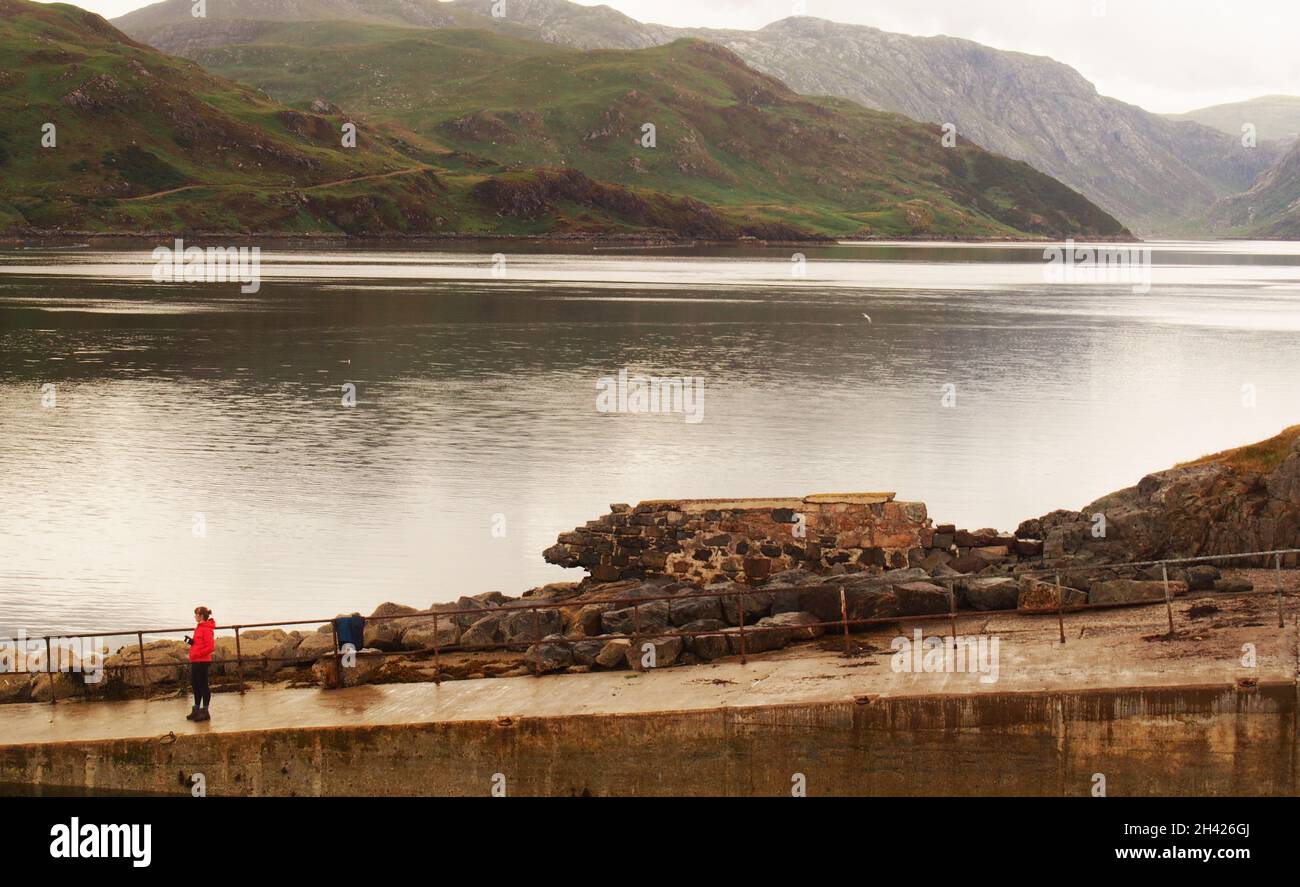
(1125, 648)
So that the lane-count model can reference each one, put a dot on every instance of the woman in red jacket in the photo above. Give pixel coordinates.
(201, 647)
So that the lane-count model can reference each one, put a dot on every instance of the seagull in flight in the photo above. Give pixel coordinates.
(868, 317)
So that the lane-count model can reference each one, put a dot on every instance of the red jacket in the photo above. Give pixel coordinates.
(204, 641)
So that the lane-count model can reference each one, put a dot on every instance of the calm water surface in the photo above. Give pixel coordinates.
(476, 397)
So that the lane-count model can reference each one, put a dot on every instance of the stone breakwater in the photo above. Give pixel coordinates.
(689, 575)
(670, 573)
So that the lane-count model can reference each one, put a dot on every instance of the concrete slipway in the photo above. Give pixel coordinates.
(1119, 700)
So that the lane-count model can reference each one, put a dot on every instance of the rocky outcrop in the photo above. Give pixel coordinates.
(1238, 501)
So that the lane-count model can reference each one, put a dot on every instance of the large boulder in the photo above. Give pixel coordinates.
(520, 626)
(693, 608)
(585, 652)
(332, 673)
(471, 609)
(586, 621)
(1037, 596)
(255, 647)
(285, 654)
(430, 635)
(666, 652)
(61, 685)
(645, 618)
(165, 662)
(992, 593)
(386, 634)
(614, 653)
(921, 598)
(315, 645)
(706, 639)
(1202, 578)
(757, 640)
(551, 655)
(15, 688)
(486, 632)
(801, 626)
(1130, 591)
(741, 598)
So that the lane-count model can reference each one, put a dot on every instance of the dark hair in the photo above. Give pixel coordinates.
(203, 612)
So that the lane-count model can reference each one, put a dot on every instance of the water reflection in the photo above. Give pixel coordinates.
(476, 396)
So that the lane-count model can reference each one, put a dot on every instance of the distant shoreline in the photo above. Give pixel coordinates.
(606, 240)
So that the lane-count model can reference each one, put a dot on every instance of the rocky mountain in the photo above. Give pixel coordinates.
(1271, 209)
(1275, 117)
(1157, 175)
(688, 118)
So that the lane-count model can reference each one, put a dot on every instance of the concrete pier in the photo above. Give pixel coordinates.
(1118, 701)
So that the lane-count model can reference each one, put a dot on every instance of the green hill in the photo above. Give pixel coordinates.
(470, 133)
(726, 135)
(149, 142)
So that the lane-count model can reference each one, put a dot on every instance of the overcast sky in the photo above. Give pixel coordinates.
(1165, 55)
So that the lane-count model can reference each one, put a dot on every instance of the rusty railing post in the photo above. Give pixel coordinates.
(239, 661)
(139, 639)
(338, 654)
(1169, 604)
(437, 653)
(1060, 607)
(537, 642)
(952, 612)
(1281, 623)
(49, 669)
(636, 630)
(844, 618)
(740, 611)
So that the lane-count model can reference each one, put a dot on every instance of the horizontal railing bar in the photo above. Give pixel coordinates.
(754, 628)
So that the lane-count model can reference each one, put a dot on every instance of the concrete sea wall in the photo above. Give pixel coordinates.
(1199, 740)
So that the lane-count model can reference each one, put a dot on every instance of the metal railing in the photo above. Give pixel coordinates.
(740, 630)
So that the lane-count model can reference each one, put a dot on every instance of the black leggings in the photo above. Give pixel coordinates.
(199, 681)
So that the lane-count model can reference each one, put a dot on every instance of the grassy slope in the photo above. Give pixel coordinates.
(727, 135)
(150, 143)
(132, 123)
(1260, 457)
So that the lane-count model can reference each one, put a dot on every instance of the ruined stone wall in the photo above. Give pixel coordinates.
(746, 540)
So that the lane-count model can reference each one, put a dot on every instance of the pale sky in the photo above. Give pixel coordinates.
(1165, 55)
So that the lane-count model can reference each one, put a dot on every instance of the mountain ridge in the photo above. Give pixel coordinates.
(147, 142)
(1157, 175)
